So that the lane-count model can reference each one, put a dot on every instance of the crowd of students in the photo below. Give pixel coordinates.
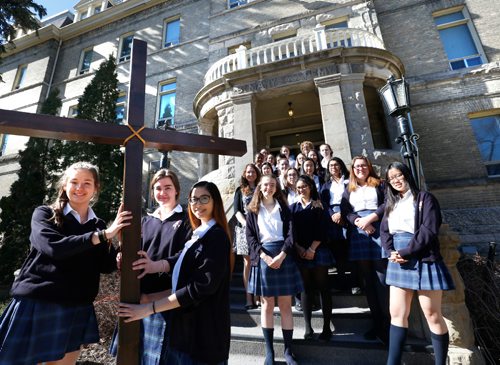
(296, 217)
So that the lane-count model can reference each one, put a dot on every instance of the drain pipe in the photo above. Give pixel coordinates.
(53, 69)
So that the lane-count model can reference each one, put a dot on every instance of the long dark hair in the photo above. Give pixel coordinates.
(391, 194)
(62, 198)
(244, 183)
(218, 213)
(343, 169)
(315, 199)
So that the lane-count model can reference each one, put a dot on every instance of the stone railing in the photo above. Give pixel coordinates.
(320, 40)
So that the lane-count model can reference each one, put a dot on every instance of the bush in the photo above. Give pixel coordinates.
(482, 296)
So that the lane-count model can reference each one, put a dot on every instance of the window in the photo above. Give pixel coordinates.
(235, 3)
(120, 109)
(487, 132)
(83, 16)
(125, 47)
(97, 10)
(172, 32)
(459, 38)
(20, 77)
(73, 111)
(85, 61)
(166, 105)
(338, 24)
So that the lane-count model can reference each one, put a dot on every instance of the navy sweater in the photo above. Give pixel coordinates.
(162, 239)
(63, 265)
(425, 243)
(201, 325)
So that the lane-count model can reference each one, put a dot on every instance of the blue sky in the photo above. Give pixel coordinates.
(56, 6)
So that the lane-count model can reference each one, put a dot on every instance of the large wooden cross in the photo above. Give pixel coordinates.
(135, 137)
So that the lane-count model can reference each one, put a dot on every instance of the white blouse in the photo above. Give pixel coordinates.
(270, 224)
(402, 217)
(364, 198)
(336, 191)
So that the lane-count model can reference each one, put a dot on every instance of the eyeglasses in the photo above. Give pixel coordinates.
(360, 167)
(302, 187)
(399, 176)
(204, 199)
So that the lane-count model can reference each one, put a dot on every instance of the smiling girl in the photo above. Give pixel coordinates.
(51, 314)
(199, 331)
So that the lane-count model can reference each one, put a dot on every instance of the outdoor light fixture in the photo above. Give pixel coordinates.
(290, 109)
(396, 97)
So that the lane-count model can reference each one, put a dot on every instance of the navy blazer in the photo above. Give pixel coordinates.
(201, 325)
(253, 237)
(425, 243)
(348, 212)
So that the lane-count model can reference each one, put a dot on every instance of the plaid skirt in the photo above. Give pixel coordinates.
(415, 274)
(268, 282)
(34, 331)
(364, 246)
(154, 335)
(322, 257)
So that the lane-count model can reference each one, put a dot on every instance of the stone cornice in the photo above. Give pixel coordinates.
(326, 81)
(106, 17)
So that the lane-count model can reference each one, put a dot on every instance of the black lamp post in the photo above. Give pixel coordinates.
(396, 97)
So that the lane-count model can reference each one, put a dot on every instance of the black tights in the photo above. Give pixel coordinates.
(316, 279)
(373, 273)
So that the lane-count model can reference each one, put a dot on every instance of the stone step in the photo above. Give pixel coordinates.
(343, 318)
(345, 347)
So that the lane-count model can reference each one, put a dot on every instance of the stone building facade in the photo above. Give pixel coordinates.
(233, 68)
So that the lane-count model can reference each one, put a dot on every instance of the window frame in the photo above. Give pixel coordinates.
(494, 113)
(121, 100)
(20, 78)
(170, 125)
(166, 22)
(73, 111)
(232, 4)
(81, 71)
(126, 58)
(472, 31)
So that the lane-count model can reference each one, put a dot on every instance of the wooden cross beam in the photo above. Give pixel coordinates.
(135, 137)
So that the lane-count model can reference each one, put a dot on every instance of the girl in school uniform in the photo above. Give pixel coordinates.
(51, 314)
(199, 331)
(409, 233)
(164, 233)
(336, 180)
(274, 272)
(362, 206)
(242, 196)
(309, 226)
(309, 169)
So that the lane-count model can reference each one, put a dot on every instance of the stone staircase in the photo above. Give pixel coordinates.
(351, 319)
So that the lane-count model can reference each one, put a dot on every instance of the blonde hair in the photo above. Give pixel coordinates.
(373, 180)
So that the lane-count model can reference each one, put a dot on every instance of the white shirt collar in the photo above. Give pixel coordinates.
(68, 209)
(201, 230)
(275, 208)
(156, 213)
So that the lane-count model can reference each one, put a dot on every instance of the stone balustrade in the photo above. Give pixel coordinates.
(320, 40)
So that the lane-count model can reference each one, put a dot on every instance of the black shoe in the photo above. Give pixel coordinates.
(315, 307)
(250, 306)
(309, 336)
(370, 334)
(325, 336)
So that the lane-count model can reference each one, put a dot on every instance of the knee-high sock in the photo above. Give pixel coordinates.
(269, 338)
(440, 344)
(397, 338)
(287, 339)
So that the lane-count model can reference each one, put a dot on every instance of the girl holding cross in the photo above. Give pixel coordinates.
(51, 314)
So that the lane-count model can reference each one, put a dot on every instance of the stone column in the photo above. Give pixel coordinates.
(226, 171)
(358, 124)
(206, 162)
(332, 114)
(244, 128)
(462, 349)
